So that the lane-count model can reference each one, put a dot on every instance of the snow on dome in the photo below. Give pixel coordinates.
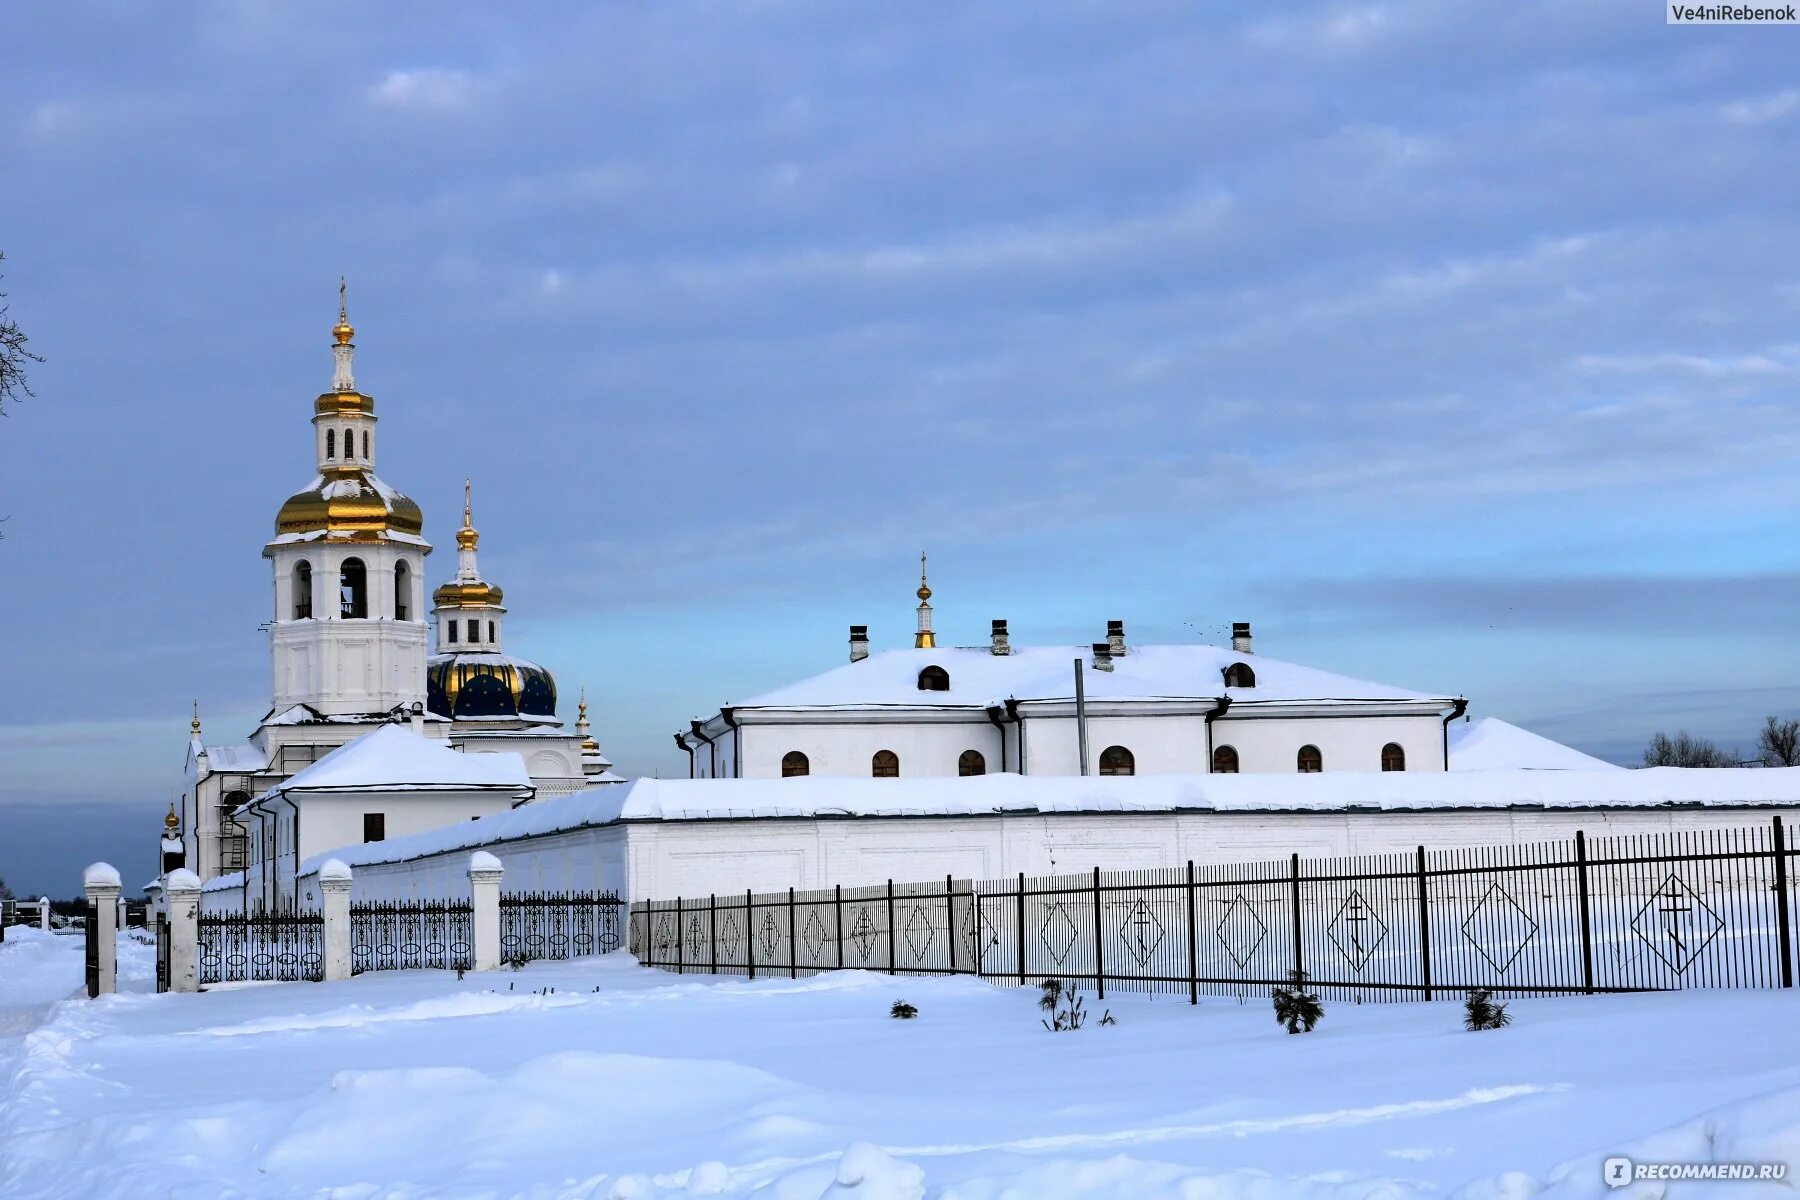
(1492, 744)
(334, 870)
(481, 860)
(181, 880)
(394, 758)
(100, 874)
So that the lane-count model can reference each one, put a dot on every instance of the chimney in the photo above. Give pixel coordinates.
(1001, 645)
(1240, 637)
(1102, 657)
(1115, 638)
(859, 642)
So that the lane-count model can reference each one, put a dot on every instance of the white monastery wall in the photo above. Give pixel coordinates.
(1272, 744)
(576, 860)
(926, 748)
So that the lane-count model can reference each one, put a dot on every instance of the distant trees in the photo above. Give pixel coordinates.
(1777, 745)
(13, 357)
(1779, 742)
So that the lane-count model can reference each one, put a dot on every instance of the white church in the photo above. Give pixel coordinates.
(462, 732)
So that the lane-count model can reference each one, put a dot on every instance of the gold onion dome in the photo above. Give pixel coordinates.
(342, 331)
(349, 501)
(171, 823)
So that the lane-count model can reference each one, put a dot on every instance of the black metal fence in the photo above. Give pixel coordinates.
(396, 935)
(278, 943)
(1698, 908)
(536, 925)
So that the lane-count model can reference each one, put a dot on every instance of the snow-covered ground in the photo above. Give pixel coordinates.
(597, 1078)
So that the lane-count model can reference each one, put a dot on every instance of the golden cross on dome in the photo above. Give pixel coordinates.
(343, 299)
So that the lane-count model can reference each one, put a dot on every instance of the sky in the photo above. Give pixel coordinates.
(1453, 345)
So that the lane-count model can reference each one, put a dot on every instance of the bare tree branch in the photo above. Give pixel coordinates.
(13, 357)
(1779, 742)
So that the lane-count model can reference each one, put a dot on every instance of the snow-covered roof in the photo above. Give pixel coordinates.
(394, 758)
(1489, 744)
(237, 758)
(1331, 791)
(979, 678)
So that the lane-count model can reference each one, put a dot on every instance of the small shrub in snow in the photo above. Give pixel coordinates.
(1063, 1003)
(1106, 1018)
(1296, 1007)
(1480, 1011)
(902, 1011)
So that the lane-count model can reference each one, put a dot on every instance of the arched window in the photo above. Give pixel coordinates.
(1239, 675)
(1117, 760)
(302, 590)
(331, 443)
(474, 630)
(885, 765)
(1393, 757)
(490, 631)
(402, 591)
(934, 679)
(349, 443)
(365, 443)
(1309, 760)
(353, 590)
(450, 628)
(971, 762)
(1225, 761)
(794, 764)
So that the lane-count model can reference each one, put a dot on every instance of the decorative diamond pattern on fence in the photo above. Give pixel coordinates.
(814, 935)
(1356, 930)
(1141, 932)
(1240, 931)
(392, 935)
(1555, 918)
(1499, 928)
(919, 932)
(1058, 931)
(1676, 923)
(864, 933)
(696, 940)
(663, 946)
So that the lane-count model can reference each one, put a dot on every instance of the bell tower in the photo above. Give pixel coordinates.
(349, 633)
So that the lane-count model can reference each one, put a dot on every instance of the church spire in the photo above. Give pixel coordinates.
(342, 378)
(467, 538)
(194, 725)
(925, 639)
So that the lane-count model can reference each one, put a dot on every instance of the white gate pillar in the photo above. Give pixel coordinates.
(181, 900)
(334, 891)
(484, 894)
(44, 913)
(101, 883)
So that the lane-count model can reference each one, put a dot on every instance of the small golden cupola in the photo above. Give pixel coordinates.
(470, 678)
(346, 500)
(924, 639)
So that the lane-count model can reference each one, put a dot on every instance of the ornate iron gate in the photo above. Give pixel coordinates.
(271, 944)
(394, 935)
(536, 925)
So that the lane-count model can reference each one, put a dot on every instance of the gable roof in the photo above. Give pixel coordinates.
(395, 759)
(979, 678)
(1492, 744)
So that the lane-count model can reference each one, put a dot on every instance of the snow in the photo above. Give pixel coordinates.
(481, 860)
(394, 758)
(100, 874)
(235, 758)
(594, 1078)
(223, 883)
(1489, 744)
(181, 880)
(979, 678)
(334, 870)
(1334, 791)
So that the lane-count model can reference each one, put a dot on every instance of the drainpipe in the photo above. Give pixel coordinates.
(1012, 714)
(695, 726)
(993, 714)
(1461, 707)
(737, 742)
(1081, 717)
(1217, 712)
(681, 742)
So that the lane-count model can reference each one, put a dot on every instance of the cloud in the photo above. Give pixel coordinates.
(427, 90)
(1711, 366)
(1772, 107)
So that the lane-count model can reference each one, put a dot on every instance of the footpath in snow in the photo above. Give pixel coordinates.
(599, 1079)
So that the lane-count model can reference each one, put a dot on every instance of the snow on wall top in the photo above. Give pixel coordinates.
(234, 758)
(1489, 743)
(394, 758)
(100, 874)
(979, 678)
(1331, 791)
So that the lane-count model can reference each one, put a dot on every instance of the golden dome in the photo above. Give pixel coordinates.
(349, 500)
(171, 823)
(342, 330)
(337, 404)
(924, 592)
(467, 595)
(467, 538)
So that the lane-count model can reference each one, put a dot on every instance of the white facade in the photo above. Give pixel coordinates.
(1152, 710)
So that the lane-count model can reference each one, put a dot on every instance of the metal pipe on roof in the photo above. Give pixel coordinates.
(1081, 716)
